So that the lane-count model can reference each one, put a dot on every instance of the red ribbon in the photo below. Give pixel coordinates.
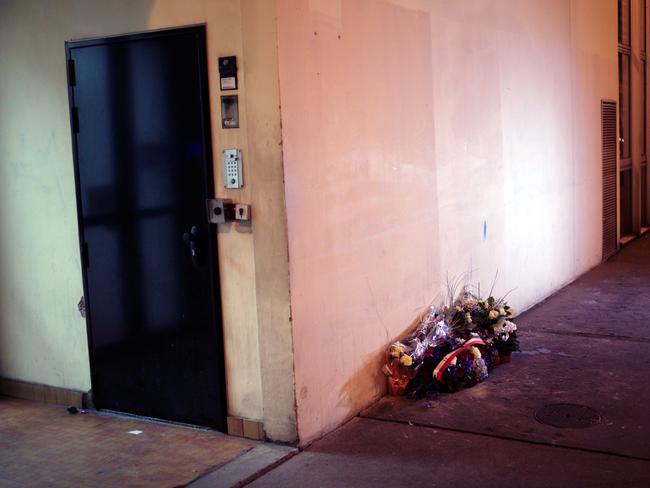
(446, 361)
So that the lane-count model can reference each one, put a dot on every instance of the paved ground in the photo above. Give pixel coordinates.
(43, 445)
(587, 345)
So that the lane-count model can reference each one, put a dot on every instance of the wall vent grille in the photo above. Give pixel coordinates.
(608, 124)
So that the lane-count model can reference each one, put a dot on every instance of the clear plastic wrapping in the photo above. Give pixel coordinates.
(452, 348)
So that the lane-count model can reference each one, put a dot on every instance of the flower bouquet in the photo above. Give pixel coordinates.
(453, 348)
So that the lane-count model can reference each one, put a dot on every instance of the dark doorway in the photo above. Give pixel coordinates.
(625, 193)
(143, 167)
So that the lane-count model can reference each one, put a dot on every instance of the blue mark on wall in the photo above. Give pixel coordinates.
(484, 229)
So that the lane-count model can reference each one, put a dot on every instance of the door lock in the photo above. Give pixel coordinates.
(222, 210)
(242, 212)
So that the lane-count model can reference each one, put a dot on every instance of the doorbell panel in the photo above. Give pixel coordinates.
(233, 176)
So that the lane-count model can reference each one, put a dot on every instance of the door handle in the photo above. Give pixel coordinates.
(191, 239)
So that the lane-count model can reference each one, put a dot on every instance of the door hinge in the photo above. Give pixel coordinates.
(74, 112)
(85, 258)
(72, 74)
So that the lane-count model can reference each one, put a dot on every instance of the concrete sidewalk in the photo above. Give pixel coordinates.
(586, 348)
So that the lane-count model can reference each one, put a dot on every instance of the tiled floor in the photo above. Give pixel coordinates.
(43, 445)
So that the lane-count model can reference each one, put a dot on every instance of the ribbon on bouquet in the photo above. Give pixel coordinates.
(446, 361)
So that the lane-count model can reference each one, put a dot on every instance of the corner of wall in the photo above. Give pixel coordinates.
(259, 35)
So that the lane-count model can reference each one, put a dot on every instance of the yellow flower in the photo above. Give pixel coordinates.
(493, 314)
(396, 351)
(502, 311)
(406, 360)
(475, 352)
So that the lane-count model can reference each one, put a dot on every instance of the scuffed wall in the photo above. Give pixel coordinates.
(42, 335)
(424, 139)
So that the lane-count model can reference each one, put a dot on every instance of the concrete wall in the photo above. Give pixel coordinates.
(424, 138)
(42, 336)
(637, 113)
(594, 76)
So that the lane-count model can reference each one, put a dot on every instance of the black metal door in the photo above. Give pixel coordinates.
(141, 137)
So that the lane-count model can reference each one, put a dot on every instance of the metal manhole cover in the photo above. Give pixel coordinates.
(567, 415)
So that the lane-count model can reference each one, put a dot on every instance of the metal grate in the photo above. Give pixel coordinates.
(608, 125)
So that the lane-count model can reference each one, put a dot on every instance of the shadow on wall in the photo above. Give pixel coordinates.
(354, 398)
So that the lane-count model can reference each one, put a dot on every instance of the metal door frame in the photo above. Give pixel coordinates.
(208, 190)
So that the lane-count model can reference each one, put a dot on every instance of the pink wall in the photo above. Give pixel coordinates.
(407, 126)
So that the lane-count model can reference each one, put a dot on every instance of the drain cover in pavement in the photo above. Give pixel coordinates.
(567, 415)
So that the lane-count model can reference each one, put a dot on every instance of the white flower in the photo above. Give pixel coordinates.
(498, 327)
(475, 352)
(509, 327)
(502, 311)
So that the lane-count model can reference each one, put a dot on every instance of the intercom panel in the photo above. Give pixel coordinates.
(233, 176)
